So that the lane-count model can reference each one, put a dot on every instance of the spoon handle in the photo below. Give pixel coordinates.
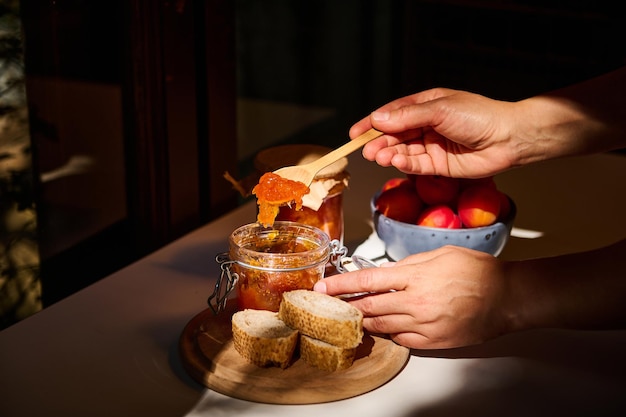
(346, 149)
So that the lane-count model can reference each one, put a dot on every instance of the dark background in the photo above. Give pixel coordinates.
(354, 55)
(180, 67)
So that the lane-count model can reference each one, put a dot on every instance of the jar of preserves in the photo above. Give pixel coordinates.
(322, 207)
(263, 262)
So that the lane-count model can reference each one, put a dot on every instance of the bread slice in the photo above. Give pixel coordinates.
(325, 356)
(322, 317)
(263, 339)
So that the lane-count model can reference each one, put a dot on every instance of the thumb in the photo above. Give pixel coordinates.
(380, 115)
(405, 118)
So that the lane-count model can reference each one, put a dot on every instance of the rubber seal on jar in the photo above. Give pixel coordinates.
(270, 269)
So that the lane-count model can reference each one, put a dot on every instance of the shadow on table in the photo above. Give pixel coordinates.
(547, 372)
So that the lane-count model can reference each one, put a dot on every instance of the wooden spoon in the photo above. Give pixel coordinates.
(306, 173)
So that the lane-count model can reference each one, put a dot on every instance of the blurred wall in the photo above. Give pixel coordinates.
(349, 57)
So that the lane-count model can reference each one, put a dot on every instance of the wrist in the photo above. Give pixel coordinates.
(547, 128)
(529, 302)
(515, 316)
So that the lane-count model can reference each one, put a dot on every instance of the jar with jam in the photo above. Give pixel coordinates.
(263, 262)
(323, 206)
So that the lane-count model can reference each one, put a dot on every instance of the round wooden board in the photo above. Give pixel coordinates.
(208, 355)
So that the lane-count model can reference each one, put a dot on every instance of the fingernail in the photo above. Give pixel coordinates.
(387, 264)
(320, 286)
(380, 116)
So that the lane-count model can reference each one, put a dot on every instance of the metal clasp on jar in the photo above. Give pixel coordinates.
(337, 254)
(344, 264)
(227, 281)
(224, 285)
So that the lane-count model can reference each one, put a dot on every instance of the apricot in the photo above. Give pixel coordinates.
(439, 216)
(478, 206)
(399, 203)
(437, 189)
(396, 182)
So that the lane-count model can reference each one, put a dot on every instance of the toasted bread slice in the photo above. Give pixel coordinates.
(325, 356)
(322, 317)
(263, 339)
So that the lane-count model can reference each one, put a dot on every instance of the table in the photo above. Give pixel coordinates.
(111, 349)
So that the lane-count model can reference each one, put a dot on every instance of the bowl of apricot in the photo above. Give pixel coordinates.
(418, 213)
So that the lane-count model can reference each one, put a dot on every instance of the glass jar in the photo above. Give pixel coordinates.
(270, 261)
(323, 206)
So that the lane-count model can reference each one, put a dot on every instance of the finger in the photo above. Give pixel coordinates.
(430, 155)
(366, 123)
(390, 324)
(396, 116)
(360, 127)
(384, 148)
(380, 150)
(415, 340)
(408, 117)
(373, 280)
(403, 330)
(382, 304)
(413, 164)
(413, 99)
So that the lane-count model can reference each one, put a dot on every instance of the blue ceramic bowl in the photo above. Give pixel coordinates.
(404, 239)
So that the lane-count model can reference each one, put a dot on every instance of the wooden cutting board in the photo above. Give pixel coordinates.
(209, 356)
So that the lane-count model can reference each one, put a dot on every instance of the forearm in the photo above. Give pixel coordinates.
(585, 118)
(583, 291)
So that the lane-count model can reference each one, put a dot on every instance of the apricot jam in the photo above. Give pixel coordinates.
(274, 191)
(327, 214)
(270, 261)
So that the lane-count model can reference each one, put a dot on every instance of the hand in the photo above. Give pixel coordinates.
(444, 132)
(444, 298)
